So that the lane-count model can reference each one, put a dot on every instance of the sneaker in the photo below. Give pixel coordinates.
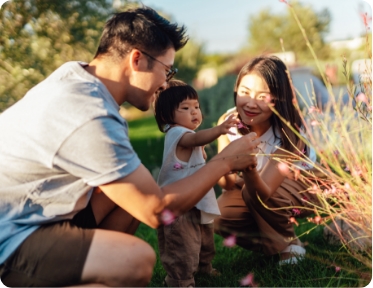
(296, 252)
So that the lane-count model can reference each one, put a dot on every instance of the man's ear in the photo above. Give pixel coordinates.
(135, 59)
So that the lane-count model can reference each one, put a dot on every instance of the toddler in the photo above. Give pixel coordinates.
(187, 244)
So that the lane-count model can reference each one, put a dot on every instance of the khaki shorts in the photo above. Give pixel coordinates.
(53, 255)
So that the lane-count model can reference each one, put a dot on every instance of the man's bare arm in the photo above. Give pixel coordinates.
(140, 195)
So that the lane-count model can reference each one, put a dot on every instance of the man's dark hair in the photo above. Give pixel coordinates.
(169, 100)
(142, 28)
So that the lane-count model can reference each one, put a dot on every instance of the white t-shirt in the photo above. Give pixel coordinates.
(63, 138)
(174, 169)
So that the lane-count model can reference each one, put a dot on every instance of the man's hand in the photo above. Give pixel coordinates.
(241, 153)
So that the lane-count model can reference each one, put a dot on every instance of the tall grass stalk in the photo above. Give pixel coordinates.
(341, 135)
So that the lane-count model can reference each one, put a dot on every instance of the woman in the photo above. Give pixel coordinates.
(258, 206)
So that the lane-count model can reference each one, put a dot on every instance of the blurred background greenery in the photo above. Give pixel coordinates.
(37, 36)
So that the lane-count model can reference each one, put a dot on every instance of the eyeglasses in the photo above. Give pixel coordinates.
(171, 71)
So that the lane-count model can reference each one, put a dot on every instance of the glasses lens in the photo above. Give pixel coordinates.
(171, 73)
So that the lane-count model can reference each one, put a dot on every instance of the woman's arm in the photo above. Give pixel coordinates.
(266, 182)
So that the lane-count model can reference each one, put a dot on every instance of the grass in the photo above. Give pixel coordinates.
(317, 270)
(147, 141)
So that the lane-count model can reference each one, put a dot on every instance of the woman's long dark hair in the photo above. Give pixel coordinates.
(276, 75)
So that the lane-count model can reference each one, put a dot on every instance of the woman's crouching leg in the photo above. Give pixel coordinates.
(236, 220)
(273, 220)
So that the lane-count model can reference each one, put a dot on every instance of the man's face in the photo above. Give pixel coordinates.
(149, 82)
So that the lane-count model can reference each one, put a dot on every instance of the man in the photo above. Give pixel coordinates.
(66, 137)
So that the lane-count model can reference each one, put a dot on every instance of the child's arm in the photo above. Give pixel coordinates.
(267, 181)
(206, 136)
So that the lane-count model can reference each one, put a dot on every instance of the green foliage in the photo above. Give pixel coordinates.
(147, 141)
(216, 100)
(37, 36)
(189, 61)
(266, 29)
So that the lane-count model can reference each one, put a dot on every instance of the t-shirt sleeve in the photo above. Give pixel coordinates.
(98, 152)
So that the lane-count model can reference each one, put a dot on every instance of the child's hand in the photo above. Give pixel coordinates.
(231, 121)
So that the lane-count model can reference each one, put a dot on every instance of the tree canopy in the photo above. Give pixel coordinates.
(267, 29)
(37, 36)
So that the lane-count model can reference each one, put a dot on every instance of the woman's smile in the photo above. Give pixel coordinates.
(250, 114)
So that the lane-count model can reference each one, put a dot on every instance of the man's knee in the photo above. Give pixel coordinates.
(142, 271)
(146, 266)
(118, 259)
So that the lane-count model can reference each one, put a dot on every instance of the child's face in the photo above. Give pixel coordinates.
(188, 114)
(253, 99)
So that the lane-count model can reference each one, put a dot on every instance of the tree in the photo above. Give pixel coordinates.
(189, 61)
(37, 36)
(266, 29)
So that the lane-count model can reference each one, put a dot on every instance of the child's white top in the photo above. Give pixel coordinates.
(174, 169)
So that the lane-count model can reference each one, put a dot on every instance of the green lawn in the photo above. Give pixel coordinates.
(235, 263)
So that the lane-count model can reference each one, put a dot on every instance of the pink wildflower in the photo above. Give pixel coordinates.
(366, 19)
(314, 123)
(337, 268)
(356, 172)
(314, 189)
(336, 152)
(317, 219)
(167, 217)
(361, 97)
(293, 220)
(304, 164)
(268, 100)
(230, 241)
(240, 125)
(333, 190)
(178, 166)
(248, 280)
(313, 109)
(296, 211)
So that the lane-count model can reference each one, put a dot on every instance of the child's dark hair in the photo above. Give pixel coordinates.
(275, 74)
(169, 100)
